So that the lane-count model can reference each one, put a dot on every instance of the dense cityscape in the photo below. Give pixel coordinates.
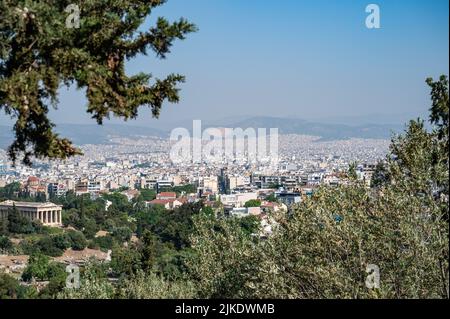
(128, 166)
(145, 163)
(321, 171)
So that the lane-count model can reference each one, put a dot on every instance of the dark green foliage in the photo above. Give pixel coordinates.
(119, 202)
(253, 203)
(62, 241)
(8, 287)
(147, 218)
(37, 268)
(188, 189)
(18, 224)
(27, 246)
(352, 171)
(439, 117)
(4, 226)
(90, 227)
(38, 53)
(14, 191)
(177, 226)
(173, 264)
(104, 243)
(271, 198)
(5, 244)
(40, 268)
(147, 194)
(149, 251)
(38, 228)
(47, 246)
(250, 224)
(208, 211)
(77, 240)
(10, 191)
(125, 262)
(89, 216)
(439, 112)
(122, 234)
(380, 176)
(54, 245)
(57, 275)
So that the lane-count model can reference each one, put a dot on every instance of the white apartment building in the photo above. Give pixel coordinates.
(237, 200)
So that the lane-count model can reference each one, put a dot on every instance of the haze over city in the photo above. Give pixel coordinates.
(298, 59)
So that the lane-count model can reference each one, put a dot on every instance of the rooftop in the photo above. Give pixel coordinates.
(167, 194)
(11, 203)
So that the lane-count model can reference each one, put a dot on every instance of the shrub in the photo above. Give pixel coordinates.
(47, 246)
(78, 241)
(5, 244)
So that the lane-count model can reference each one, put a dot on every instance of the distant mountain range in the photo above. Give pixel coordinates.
(327, 131)
(96, 134)
(90, 133)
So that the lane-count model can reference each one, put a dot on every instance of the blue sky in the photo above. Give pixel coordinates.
(295, 58)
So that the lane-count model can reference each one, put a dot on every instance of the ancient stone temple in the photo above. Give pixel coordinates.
(48, 213)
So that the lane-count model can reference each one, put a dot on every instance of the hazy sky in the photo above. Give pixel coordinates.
(295, 58)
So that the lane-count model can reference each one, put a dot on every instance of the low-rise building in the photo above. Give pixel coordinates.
(167, 203)
(245, 211)
(166, 196)
(288, 198)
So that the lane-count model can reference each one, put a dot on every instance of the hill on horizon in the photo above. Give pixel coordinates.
(82, 134)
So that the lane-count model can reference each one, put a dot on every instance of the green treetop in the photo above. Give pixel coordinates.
(43, 46)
